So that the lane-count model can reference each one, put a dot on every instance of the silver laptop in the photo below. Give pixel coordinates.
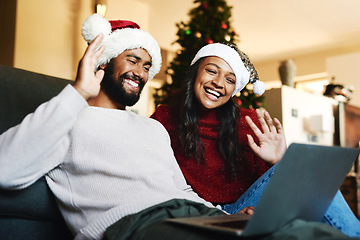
(302, 187)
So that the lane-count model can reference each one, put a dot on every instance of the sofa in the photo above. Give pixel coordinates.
(31, 213)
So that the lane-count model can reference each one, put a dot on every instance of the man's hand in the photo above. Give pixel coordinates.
(272, 143)
(248, 210)
(87, 82)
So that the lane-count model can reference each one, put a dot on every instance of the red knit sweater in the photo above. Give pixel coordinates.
(208, 179)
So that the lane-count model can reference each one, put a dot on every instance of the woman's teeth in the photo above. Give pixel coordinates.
(216, 94)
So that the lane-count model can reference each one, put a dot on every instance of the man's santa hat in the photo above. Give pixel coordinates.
(121, 35)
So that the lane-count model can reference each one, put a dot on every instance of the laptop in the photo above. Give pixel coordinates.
(302, 187)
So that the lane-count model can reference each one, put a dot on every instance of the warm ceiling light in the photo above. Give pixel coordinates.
(100, 7)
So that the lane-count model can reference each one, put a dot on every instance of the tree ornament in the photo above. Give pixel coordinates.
(224, 26)
(198, 34)
(228, 38)
(204, 6)
(209, 41)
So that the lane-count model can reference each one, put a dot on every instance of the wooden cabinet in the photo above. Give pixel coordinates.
(349, 136)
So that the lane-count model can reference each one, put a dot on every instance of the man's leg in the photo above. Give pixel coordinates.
(150, 224)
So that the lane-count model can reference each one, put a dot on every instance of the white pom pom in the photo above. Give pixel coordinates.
(259, 87)
(93, 26)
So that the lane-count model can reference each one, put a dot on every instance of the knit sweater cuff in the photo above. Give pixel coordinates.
(70, 96)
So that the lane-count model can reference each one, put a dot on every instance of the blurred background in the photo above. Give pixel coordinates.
(307, 53)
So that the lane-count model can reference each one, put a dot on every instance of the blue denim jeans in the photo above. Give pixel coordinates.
(338, 215)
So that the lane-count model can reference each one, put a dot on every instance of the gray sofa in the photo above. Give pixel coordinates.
(30, 213)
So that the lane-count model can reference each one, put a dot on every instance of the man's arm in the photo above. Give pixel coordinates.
(36, 145)
(39, 144)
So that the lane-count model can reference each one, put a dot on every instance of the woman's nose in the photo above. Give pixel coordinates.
(218, 82)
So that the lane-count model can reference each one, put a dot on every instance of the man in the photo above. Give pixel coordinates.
(112, 172)
(101, 162)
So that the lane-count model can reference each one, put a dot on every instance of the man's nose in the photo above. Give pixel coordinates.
(139, 71)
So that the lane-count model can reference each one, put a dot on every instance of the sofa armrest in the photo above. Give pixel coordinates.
(29, 213)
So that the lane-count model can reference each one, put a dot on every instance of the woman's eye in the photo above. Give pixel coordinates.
(230, 80)
(211, 71)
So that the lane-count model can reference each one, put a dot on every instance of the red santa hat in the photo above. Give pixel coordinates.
(121, 35)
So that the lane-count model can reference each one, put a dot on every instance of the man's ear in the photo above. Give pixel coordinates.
(102, 67)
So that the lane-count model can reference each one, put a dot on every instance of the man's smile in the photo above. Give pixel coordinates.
(132, 83)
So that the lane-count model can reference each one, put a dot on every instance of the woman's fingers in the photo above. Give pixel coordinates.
(269, 122)
(263, 124)
(253, 126)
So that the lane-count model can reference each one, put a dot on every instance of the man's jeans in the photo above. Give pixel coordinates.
(338, 215)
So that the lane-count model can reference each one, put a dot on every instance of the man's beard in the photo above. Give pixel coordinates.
(115, 89)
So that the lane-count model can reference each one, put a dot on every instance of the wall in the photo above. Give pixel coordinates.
(45, 38)
(317, 63)
(346, 70)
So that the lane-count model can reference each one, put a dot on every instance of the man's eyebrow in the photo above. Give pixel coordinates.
(217, 66)
(139, 58)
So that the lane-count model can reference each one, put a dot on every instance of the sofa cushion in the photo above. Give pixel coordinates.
(21, 92)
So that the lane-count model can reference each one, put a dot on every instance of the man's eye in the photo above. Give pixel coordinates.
(147, 68)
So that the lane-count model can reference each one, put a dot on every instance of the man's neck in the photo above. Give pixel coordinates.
(103, 100)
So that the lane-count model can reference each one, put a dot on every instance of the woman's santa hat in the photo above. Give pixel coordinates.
(243, 69)
(121, 35)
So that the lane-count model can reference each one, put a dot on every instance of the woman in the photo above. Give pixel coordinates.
(220, 148)
(209, 132)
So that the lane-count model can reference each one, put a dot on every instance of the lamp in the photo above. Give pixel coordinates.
(100, 7)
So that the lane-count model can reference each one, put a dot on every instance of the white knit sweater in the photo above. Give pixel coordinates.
(101, 164)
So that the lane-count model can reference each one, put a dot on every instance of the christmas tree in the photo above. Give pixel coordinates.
(209, 23)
